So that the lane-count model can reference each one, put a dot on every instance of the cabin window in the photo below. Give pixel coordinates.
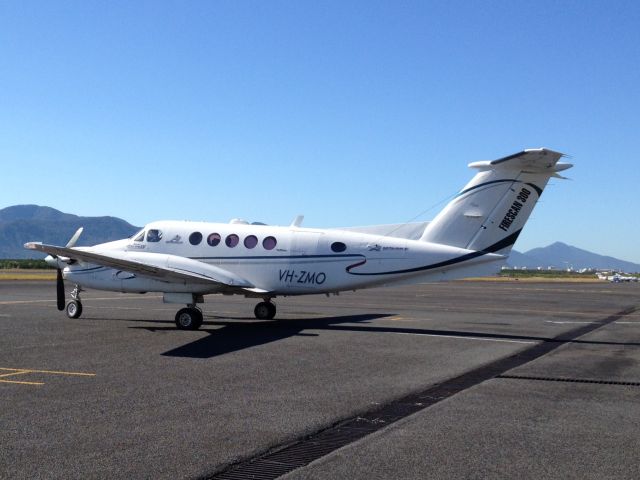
(338, 247)
(251, 241)
(154, 235)
(195, 238)
(232, 240)
(139, 237)
(213, 239)
(269, 243)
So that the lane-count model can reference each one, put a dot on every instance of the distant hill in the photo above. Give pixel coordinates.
(517, 259)
(562, 256)
(32, 223)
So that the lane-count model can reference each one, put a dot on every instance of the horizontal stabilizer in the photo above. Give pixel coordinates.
(533, 160)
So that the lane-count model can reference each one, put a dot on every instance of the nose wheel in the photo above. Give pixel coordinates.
(74, 306)
(265, 310)
(74, 309)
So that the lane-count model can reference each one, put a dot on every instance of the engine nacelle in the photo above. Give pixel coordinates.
(110, 279)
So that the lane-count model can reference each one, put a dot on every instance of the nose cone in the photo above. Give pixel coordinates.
(52, 262)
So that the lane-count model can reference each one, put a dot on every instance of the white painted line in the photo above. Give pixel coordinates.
(123, 297)
(464, 338)
(569, 321)
(619, 322)
(18, 302)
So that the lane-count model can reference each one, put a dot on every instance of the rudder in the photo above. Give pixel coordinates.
(491, 210)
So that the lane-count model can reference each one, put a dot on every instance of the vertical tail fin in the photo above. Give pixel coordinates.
(491, 210)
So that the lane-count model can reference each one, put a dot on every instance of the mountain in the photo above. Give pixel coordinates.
(517, 259)
(562, 256)
(32, 223)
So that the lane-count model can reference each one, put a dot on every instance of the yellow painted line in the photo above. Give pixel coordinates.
(54, 372)
(22, 372)
(17, 302)
(26, 371)
(21, 383)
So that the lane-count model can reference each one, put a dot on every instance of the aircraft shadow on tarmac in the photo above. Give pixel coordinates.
(231, 336)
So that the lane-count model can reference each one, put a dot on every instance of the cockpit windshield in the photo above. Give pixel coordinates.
(138, 237)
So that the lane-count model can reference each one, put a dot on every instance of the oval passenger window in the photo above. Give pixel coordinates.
(232, 240)
(195, 238)
(269, 243)
(213, 239)
(251, 241)
(338, 247)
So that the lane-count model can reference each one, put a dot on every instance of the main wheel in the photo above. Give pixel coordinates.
(265, 311)
(74, 309)
(189, 318)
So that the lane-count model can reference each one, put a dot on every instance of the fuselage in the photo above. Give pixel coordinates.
(281, 260)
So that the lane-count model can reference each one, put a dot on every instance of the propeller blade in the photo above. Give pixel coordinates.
(60, 290)
(75, 237)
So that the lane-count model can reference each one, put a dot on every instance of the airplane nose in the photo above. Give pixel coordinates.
(52, 262)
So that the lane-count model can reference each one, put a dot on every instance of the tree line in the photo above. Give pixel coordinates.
(25, 264)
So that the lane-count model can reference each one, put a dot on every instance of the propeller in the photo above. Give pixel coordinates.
(72, 241)
(60, 290)
(56, 261)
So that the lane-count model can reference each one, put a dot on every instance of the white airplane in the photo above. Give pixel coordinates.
(617, 278)
(472, 236)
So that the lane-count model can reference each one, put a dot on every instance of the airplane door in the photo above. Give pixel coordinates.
(304, 243)
(302, 272)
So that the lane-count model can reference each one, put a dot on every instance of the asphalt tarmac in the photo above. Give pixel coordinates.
(546, 383)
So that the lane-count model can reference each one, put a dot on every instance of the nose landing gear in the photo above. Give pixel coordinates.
(74, 306)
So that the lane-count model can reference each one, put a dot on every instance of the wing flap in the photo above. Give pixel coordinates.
(153, 265)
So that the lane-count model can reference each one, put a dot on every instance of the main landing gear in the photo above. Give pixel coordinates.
(189, 318)
(265, 310)
(74, 306)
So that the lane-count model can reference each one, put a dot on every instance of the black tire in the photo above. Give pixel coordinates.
(74, 309)
(272, 310)
(189, 319)
(265, 311)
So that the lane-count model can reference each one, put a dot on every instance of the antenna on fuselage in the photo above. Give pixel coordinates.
(414, 218)
(297, 221)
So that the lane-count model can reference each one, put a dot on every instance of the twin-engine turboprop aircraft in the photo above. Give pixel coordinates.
(472, 236)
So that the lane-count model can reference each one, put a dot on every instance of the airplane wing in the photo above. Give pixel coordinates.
(170, 268)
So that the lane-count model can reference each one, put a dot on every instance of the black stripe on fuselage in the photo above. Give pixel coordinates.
(504, 243)
(535, 187)
(279, 257)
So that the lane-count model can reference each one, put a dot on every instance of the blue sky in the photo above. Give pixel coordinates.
(350, 113)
